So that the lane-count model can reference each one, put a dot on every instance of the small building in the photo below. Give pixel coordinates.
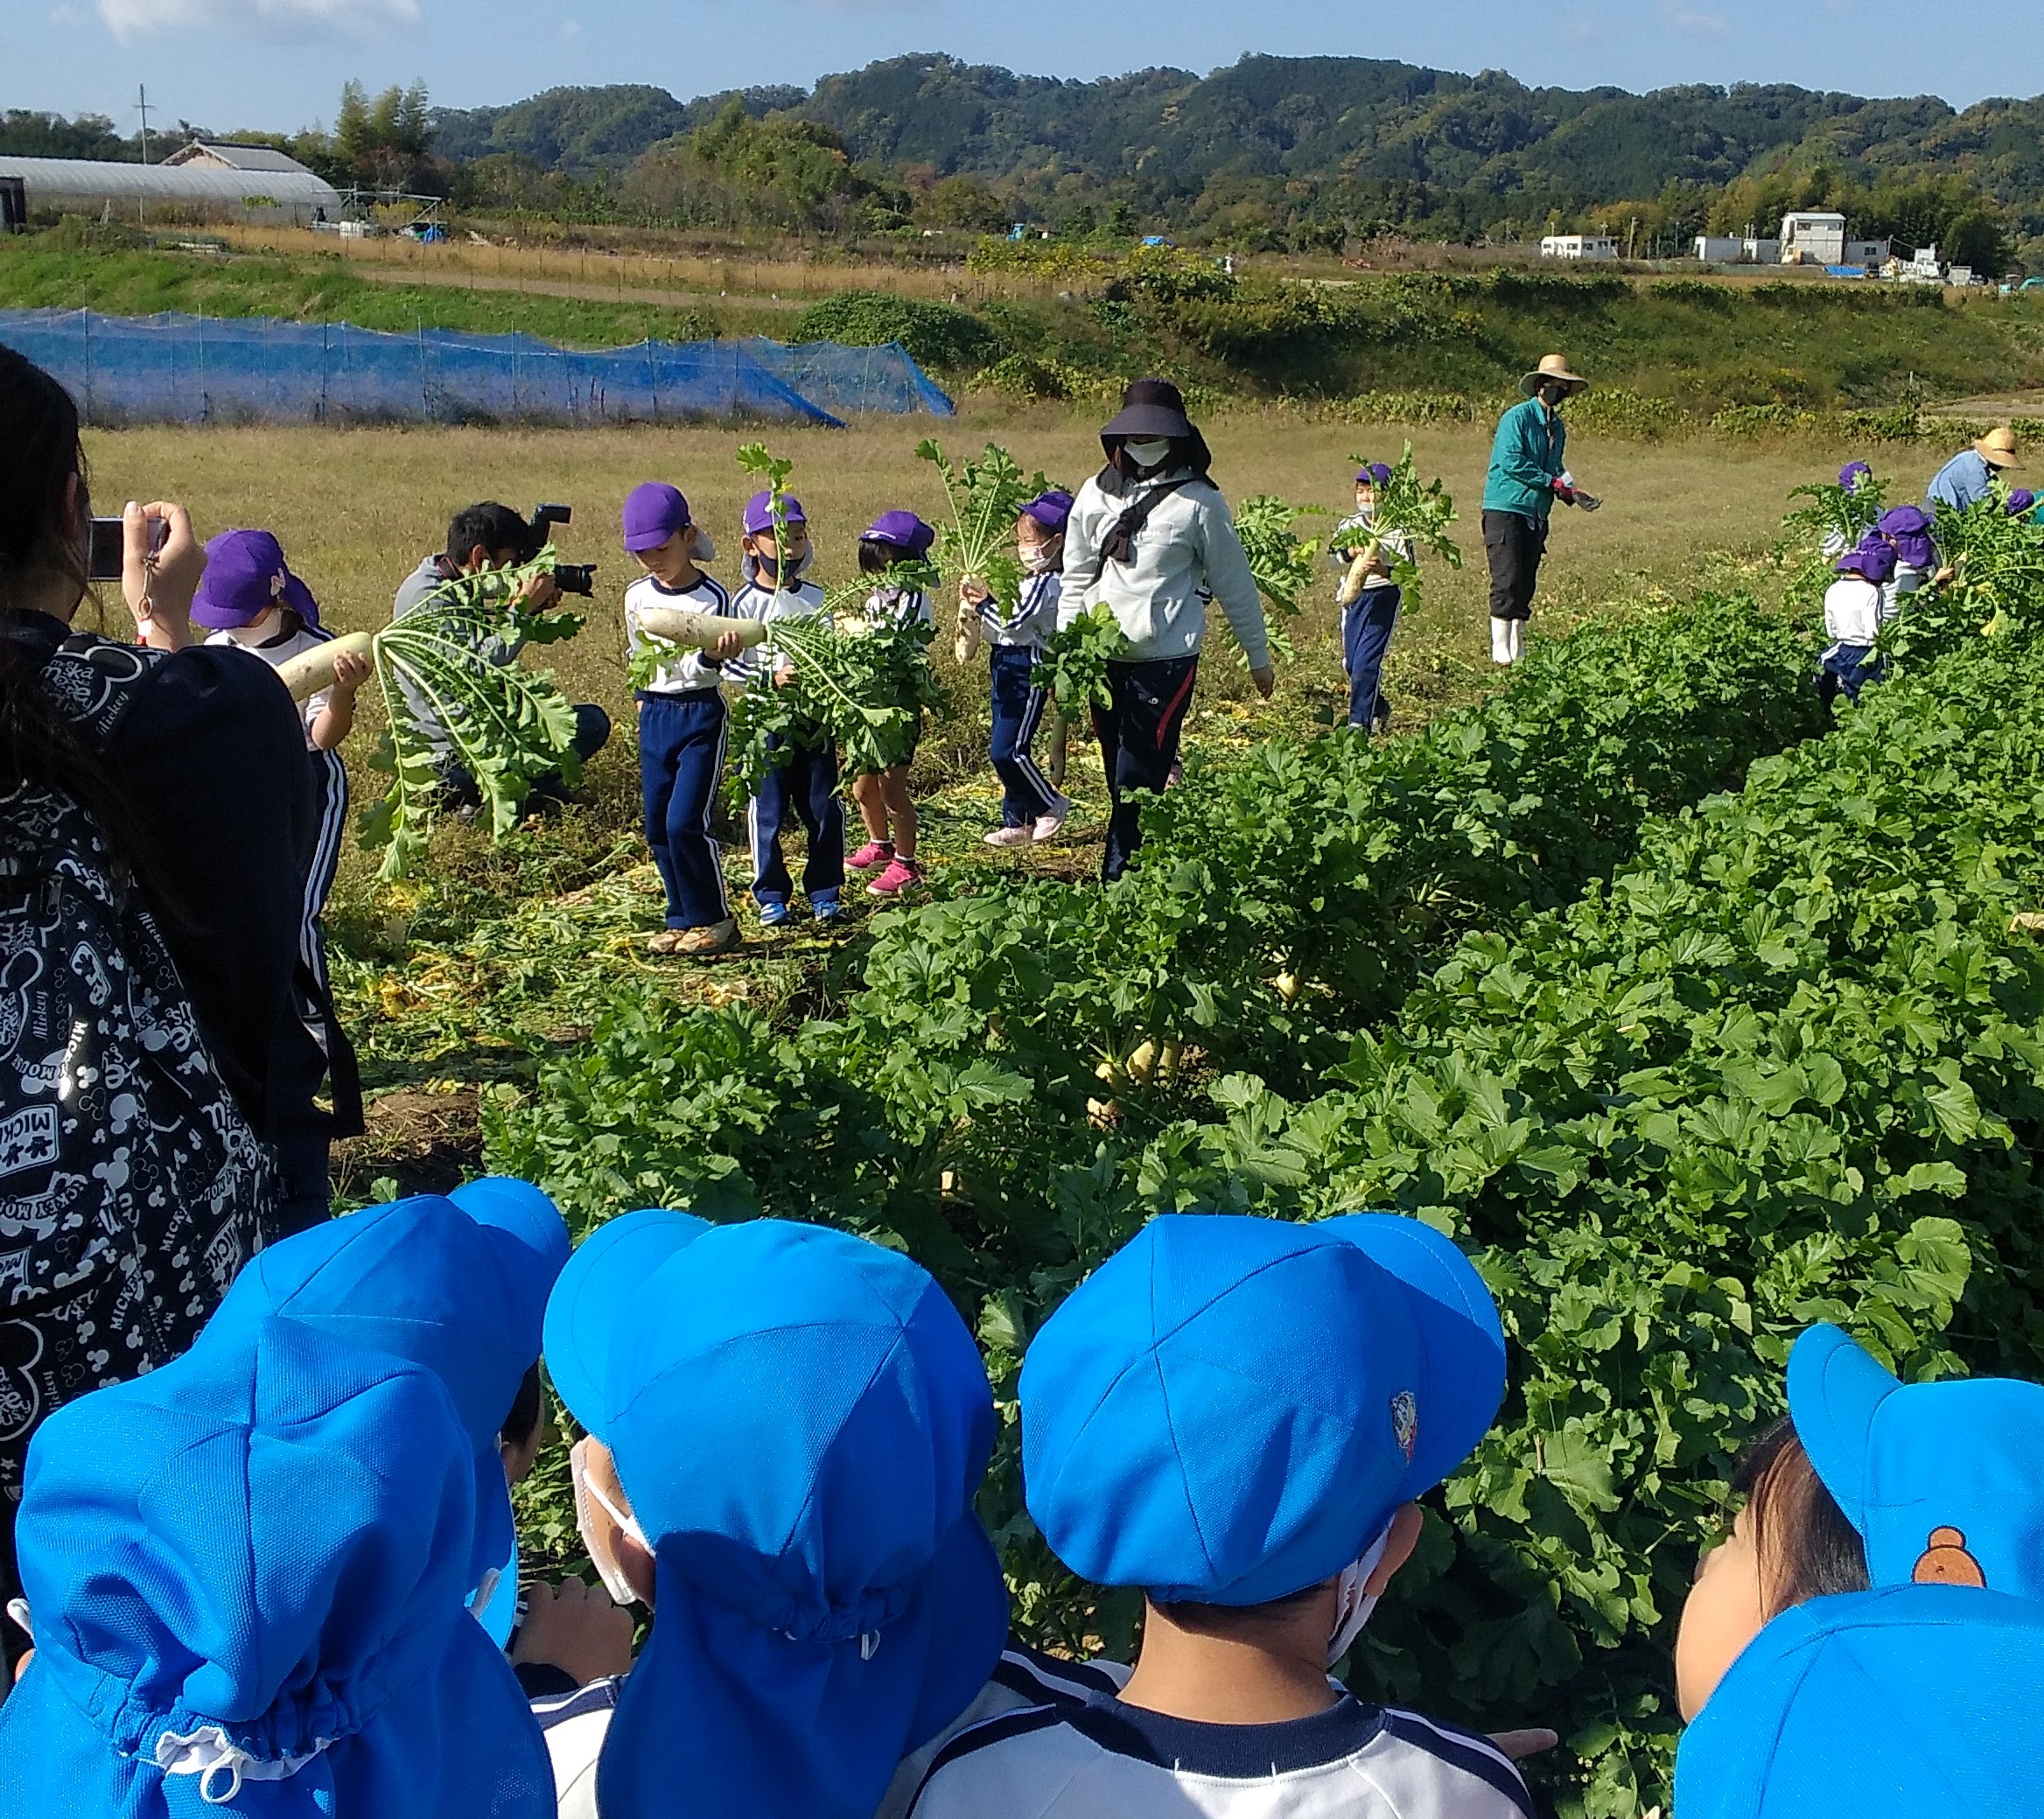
(1870, 254)
(1813, 237)
(209, 185)
(1737, 250)
(1579, 246)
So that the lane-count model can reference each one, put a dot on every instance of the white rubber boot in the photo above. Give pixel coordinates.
(1518, 627)
(1501, 640)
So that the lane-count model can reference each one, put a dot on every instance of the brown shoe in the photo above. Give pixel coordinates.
(703, 943)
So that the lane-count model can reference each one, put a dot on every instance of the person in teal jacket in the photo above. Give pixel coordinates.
(1528, 473)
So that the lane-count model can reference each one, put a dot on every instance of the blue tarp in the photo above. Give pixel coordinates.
(188, 369)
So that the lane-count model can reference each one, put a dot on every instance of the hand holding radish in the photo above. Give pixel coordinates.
(351, 670)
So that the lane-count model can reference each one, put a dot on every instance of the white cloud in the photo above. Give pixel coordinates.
(1686, 18)
(269, 18)
(570, 29)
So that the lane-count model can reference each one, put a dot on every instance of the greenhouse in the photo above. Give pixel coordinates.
(289, 195)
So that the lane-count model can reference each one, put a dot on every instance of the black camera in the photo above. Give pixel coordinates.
(579, 577)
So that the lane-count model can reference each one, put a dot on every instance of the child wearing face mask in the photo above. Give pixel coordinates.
(1032, 807)
(1235, 1415)
(805, 787)
(892, 542)
(786, 1428)
(1369, 598)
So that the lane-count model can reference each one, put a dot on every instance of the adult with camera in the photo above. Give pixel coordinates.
(1528, 473)
(1150, 536)
(481, 537)
(158, 1082)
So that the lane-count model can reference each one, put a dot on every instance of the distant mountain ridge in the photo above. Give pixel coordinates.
(1167, 132)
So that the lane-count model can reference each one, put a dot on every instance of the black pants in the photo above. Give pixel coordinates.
(592, 733)
(1515, 544)
(1138, 744)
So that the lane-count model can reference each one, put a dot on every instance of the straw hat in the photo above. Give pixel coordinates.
(1997, 448)
(1553, 365)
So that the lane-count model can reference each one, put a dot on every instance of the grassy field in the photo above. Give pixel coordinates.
(449, 978)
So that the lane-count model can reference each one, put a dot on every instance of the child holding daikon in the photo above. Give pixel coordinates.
(1368, 596)
(894, 541)
(1031, 806)
(777, 552)
(682, 713)
(250, 598)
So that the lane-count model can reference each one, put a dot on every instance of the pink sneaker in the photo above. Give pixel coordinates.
(1009, 836)
(1047, 825)
(899, 876)
(871, 855)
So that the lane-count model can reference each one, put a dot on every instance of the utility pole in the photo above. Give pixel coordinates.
(142, 95)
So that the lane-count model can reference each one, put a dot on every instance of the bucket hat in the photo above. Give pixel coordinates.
(1941, 1479)
(246, 1570)
(458, 1284)
(1150, 407)
(1553, 365)
(1230, 1409)
(1913, 1701)
(801, 1421)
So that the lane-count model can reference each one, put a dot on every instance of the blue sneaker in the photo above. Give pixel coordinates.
(826, 909)
(772, 915)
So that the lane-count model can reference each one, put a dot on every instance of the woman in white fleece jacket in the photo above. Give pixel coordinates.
(1150, 536)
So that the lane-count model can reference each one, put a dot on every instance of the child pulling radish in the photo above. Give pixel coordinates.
(1032, 807)
(894, 541)
(1369, 597)
(682, 717)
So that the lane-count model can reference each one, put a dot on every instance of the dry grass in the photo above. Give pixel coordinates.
(356, 509)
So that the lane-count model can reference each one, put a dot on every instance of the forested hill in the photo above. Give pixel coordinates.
(1168, 132)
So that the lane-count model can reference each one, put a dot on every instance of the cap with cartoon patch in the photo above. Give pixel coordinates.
(1940, 1480)
(1229, 1409)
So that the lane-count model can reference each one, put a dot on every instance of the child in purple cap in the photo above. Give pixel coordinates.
(1856, 605)
(892, 540)
(681, 722)
(1369, 598)
(806, 784)
(1032, 807)
(250, 598)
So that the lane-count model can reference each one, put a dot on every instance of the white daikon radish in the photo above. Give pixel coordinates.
(678, 625)
(307, 674)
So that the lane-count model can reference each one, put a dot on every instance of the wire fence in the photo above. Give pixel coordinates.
(192, 369)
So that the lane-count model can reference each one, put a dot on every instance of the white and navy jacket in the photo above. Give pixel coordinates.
(1028, 625)
(278, 650)
(1352, 1761)
(692, 671)
(1856, 609)
(575, 1723)
(1349, 538)
(755, 600)
(1186, 553)
(900, 605)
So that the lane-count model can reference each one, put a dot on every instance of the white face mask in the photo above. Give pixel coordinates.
(1147, 454)
(1353, 1607)
(1038, 558)
(586, 1494)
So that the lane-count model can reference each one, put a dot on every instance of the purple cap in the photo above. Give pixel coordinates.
(1050, 509)
(900, 530)
(654, 512)
(759, 512)
(1376, 472)
(2020, 501)
(1852, 473)
(245, 577)
(1875, 560)
(1907, 527)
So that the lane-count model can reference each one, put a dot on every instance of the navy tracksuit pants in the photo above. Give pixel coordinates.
(1366, 635)
(1138, 744)
(807, 787)
(1017, 711)
(681, 763)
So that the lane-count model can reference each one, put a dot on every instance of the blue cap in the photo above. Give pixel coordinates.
(1912, 1701)
(261, 1549)
(1941, 1479)
(1376, 472)
(1229, 1409)
(458, 1284)
(801, 1421)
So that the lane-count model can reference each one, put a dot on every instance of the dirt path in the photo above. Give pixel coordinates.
(556, 286)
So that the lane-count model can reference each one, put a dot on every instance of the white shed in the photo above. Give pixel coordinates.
(1813, 237)
(1579, 246)
(195, 188)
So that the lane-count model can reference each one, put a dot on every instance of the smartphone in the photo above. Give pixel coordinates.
(109, 546)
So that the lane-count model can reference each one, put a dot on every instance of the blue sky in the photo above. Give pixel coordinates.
(279, 64)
